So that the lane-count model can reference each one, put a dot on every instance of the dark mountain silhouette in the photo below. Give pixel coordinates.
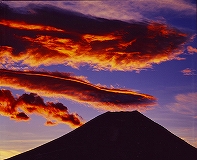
(115, 136)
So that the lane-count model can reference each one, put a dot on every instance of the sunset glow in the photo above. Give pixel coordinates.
(25, 26)
(64, 63)
(76, 90)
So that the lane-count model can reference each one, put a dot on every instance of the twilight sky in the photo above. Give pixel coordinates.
(66, 62)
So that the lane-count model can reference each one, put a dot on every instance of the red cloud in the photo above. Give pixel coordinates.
(70, 87)
(33, 104)
(101, 43)
(8, 107)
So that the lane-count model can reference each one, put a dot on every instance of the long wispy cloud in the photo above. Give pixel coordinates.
(55, 113)
(185, 104)
(54, 84)
(45, 35)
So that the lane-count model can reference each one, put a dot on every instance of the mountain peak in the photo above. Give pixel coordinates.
(115, 136)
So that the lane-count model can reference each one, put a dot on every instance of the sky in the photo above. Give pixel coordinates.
(65, 62)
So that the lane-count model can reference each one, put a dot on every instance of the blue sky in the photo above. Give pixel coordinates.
(170, 76)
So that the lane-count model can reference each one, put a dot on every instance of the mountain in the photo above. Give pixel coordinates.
(115, 136)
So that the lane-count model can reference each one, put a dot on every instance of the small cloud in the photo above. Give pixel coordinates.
(50, 123)
(188, 72)
(22, 116)
(8, 109)
(191, 50)
(185, 104)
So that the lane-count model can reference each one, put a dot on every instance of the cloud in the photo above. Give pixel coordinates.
(54, 84)
(46, 35)
(185, 104)
(55, 113)
(191, 49)
(7, 107)
(188, 72)
(130, 9)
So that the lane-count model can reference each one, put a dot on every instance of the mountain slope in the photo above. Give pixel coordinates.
(115, 136)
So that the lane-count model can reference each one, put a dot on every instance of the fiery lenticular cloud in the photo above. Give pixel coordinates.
(55, 113)
(37, 38)
(64, 85)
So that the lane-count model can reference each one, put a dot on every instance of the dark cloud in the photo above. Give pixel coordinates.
(21, 116)
(70, 87)
(45, 35)
(55, 113)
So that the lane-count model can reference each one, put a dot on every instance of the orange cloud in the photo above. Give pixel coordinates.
(191, 49)
(64, 85)
(101, 43)
(188, 72)
(8, 108)
(55, 113)
(25, 26)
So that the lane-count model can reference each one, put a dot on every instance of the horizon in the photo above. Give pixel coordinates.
(64, 63)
